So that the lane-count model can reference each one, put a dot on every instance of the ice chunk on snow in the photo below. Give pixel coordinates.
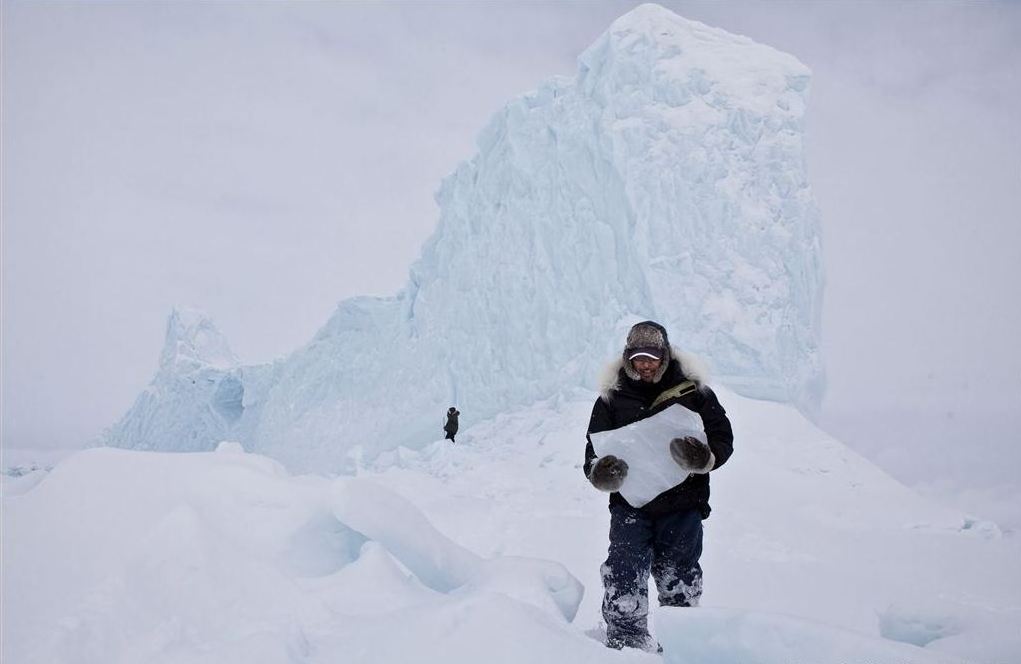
(228, 447)
(382, 515)
(442, 565)
(724, 636)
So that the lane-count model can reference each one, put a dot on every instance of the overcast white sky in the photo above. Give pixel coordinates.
(263, 161)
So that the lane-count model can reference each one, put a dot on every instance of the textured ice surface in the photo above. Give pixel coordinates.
(665, 180)
(196, 397)
(725, 636)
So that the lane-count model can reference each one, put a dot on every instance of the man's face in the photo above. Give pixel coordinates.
(646, 367)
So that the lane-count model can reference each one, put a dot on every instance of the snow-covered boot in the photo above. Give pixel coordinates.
(643, 642)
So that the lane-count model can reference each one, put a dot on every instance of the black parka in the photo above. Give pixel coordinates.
(451, 426)
(631, 400)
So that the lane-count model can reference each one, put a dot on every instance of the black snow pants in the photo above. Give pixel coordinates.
(669, 547)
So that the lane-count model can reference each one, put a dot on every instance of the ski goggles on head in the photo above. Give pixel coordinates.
(651, 353)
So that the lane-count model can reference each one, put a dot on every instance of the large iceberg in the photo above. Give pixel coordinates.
(665, 180)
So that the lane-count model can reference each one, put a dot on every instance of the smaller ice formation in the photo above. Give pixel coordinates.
(196, 397)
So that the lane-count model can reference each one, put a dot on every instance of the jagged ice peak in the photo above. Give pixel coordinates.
(193, 339)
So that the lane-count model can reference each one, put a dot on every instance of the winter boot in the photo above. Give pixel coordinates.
(638, 641)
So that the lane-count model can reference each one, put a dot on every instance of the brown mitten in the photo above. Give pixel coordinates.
(692, 454)
(608, 473)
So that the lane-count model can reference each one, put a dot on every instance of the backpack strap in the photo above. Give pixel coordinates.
(676, 392)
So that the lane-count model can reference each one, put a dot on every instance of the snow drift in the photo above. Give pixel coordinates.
(665, 180)
(489, 550)
(223, 557)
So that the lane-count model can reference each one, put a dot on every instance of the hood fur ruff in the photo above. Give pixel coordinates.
(693, 366)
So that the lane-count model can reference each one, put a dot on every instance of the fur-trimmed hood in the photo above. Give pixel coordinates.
(693, 367)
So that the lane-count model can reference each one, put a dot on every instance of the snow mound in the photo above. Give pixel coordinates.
(443, 554)
(224, 557)
(665, 180)
(801, 526)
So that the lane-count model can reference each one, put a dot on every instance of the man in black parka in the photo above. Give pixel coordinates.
(451, 425)
(664, 536)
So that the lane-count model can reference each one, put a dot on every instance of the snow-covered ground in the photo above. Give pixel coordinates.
(489, 550)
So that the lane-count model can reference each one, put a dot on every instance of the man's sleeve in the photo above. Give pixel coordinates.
(718, 431)
(599, 421)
